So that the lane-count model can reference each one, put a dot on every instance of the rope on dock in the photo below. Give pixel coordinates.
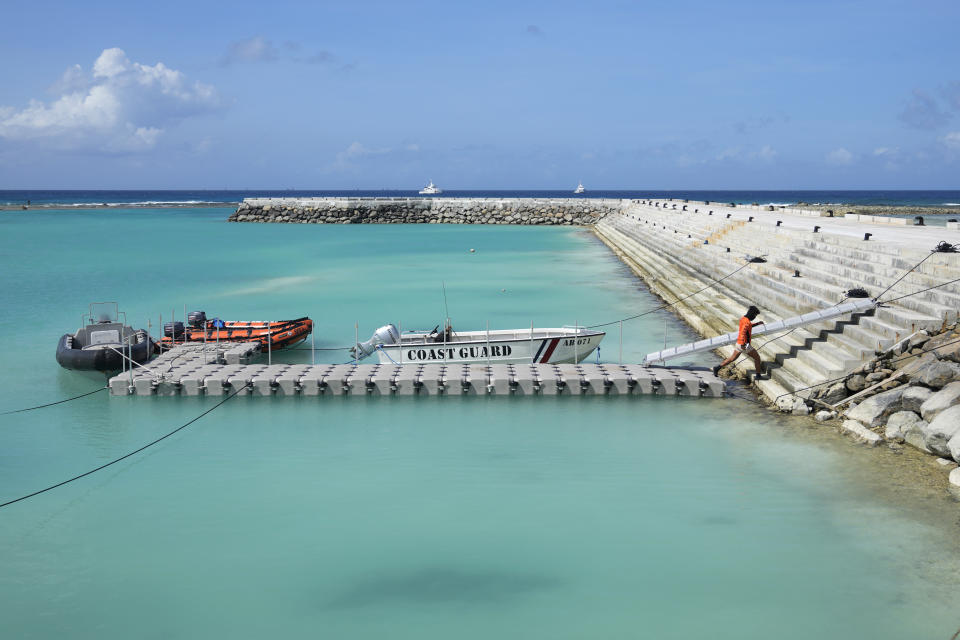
(124, 457)
(50, 404)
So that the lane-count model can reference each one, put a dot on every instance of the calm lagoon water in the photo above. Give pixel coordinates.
(414, 517)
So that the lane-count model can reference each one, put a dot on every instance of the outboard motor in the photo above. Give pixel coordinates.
(173, 329)
(197, 319)
(387, 334)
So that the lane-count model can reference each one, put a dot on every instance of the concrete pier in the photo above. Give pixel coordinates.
(195, 370)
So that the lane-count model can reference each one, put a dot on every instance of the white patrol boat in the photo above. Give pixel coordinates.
(430, 189)
(579, 188)
(504, 346)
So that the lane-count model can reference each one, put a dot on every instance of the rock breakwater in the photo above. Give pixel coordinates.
(527, 211)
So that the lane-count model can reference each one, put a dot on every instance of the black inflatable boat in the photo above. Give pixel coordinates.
(103, 342)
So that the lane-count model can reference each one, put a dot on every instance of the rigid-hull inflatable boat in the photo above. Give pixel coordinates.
(103, 342)
(281, 334)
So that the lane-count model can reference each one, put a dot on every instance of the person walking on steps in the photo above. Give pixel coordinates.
(743, 343)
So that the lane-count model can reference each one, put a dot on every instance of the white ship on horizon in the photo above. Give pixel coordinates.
(579, 188)
(430, 189)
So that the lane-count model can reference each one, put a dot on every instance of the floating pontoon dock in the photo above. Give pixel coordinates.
(195, 369)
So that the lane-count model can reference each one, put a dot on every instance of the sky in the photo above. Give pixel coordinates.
(480, 95)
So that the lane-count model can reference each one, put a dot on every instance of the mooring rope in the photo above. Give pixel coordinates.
(50, 404)
(380, 349)
(942, 247)
(679, 300)
(124, 457)
(936, 286)
(320, 349)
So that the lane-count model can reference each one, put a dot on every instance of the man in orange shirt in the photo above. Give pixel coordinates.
(743, 343)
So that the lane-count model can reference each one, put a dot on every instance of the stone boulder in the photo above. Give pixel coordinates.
(823, 415)
(874, 410)
(941, 400)
(899, 424)
(911, 365)
(856, 383)
(951, 350)
(954, 477)
(857, 430)
(936, 374)
(914, 397)
(942, 430)
(835, 393)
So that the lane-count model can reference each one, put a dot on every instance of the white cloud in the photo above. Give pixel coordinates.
(122, 106)
(885, 151)
(840, 157)
(952, 140)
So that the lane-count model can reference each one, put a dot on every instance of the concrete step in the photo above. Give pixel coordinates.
(802, 349)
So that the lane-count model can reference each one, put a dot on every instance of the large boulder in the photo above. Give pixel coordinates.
(899, 423)
(914, 397)
(954, 445)
(911, 365)
(942, 430)
(856, 382)
(936, 374)
(941, 400)
(835, 393)
(855, 429)
(950, 351)
(874, 410)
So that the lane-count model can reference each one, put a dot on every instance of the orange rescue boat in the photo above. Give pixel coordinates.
(281, 334)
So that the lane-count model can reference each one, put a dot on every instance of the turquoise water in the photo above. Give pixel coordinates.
(413, 517)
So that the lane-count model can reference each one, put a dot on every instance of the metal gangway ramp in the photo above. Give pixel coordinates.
(853, 306)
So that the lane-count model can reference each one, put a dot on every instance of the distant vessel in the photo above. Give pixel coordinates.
(430, 189)
(579, 188)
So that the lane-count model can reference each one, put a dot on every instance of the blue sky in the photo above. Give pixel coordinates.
(539, 95)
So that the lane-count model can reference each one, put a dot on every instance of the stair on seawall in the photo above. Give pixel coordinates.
(807, 355)
(201, 377)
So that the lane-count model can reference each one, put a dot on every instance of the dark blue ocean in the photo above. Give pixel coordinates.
(157, 197)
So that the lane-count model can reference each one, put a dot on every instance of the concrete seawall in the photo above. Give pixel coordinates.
(529, 211)
(858, 366)
(678, 252)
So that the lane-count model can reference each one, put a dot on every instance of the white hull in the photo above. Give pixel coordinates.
(502, 347)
